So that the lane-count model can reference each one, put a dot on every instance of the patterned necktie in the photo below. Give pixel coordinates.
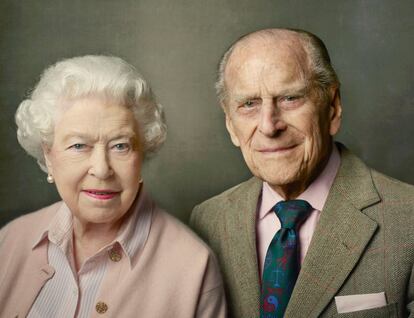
(282, 265)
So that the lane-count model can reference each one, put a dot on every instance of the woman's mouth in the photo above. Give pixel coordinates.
(101, 194)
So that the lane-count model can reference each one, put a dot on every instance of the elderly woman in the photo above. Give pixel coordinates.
(105, 250)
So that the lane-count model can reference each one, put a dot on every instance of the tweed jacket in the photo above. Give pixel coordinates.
(174, 275)
(363, 244)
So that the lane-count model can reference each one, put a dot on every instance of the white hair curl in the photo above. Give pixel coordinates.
(91, 75)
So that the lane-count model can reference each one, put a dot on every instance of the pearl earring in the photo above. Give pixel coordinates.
(50, 178)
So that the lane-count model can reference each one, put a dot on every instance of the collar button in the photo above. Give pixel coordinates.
(114, 255)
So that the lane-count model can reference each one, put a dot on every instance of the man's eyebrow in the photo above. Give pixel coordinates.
(243, 97)
(299, 89)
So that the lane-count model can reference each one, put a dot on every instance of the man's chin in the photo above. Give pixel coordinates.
(279, 179)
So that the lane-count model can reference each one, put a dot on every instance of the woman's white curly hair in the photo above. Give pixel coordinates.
(91, 75)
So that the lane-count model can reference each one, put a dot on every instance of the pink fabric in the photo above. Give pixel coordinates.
(353, 303)
(267, 223)
(173, 275)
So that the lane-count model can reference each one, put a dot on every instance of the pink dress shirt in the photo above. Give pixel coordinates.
(267, 223)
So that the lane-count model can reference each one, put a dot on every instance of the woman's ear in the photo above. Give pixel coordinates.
(46, 155)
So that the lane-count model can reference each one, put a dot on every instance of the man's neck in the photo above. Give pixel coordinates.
(292, 190)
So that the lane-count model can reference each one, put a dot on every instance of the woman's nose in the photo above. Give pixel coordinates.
(100, 166)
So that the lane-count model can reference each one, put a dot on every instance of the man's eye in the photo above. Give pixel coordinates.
(290, 98)
(250, 103)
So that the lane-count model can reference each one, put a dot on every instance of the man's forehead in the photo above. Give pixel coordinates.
(272, 71)
(276, 41)
(259, 53)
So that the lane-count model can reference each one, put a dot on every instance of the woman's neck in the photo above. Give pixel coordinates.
(89, 238)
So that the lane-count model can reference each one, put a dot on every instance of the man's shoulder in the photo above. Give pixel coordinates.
(366, 187)
(215, 203)
(393, 189)
(208, 218)
(358, 180)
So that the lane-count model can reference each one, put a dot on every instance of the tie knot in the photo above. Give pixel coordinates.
(292, 213)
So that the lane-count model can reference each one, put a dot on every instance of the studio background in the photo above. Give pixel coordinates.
(176, 46)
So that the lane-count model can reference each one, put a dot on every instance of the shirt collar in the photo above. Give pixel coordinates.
(317, 192)
(59, 230)
(134, 233)
(131, 236)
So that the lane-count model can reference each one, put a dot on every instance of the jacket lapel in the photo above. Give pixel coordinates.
(340, 239)
(240, 247)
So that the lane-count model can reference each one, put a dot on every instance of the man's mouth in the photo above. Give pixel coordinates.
(276, 149)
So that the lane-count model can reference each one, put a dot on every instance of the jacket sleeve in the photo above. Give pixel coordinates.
(410, 295)
(194, 217)
(202, 225)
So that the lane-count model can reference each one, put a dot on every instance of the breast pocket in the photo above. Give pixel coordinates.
(389, 311)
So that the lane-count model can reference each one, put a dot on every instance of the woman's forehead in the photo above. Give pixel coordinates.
(96, 117)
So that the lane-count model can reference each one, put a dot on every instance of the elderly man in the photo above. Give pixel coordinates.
(315, 232)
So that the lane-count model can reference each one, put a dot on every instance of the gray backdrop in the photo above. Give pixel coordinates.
(176, 46)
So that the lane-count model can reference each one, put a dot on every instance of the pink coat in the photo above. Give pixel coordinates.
(176, 274)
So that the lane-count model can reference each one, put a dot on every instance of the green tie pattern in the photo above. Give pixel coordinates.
(282, 264)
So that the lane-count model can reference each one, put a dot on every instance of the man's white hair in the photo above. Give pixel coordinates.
(87, 76)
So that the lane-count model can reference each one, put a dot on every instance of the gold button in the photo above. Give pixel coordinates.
(101, 307)
(115, 256)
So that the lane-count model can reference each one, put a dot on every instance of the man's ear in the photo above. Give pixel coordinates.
(46, 154)
(230, 129)
(335, 111)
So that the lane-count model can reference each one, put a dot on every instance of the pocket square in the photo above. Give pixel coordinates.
(351, 303)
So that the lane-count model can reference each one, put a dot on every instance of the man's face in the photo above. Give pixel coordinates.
(281, 123)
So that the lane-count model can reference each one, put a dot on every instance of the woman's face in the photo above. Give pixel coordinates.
(96, 159)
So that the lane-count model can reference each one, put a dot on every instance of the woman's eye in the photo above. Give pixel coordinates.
(78, 146)
(121, 147)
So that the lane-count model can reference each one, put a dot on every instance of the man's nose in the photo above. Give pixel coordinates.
(270, 121)
(100, 166)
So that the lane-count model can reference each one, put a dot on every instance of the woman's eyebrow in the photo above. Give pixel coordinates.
(86, 136)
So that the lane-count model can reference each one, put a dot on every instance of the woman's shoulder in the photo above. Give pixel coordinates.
(175, 246)
(174, 233)
(31, 224)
